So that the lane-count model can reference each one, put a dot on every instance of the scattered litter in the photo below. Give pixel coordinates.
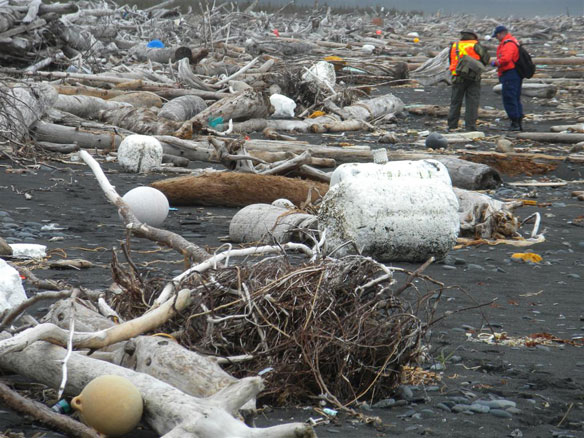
(527, 257)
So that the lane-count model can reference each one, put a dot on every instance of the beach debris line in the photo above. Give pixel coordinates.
(293, 339)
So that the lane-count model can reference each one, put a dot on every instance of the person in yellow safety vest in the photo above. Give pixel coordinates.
(466, 79)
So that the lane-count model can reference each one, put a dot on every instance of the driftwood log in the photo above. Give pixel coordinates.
(515, 163)
(244, 105)
(84, 138)
(471, 176)
(159, 357)
(269, 223)
(551, 137)
(169, 411)
(86, 107)
(232, 189)
(21, 106)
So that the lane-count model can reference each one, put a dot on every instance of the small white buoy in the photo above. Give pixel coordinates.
(148, 204)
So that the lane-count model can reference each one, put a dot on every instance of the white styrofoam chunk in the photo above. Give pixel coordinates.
(140, 153)
(11, 291)
(148, 204)
(28, 250)
(393, 170)
(399, 211)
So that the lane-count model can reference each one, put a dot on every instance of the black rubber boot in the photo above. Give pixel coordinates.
(515, 126)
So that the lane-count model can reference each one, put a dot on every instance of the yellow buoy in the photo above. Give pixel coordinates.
(112, 405)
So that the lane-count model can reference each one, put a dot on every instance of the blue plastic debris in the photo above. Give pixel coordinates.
(214, 121)
(155, 44)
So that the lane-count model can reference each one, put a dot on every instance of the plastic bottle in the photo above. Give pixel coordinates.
(62, 407)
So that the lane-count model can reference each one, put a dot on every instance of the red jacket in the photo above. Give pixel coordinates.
(507, 54)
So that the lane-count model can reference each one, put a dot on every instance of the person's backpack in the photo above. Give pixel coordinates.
(468, 67)
(524, 65)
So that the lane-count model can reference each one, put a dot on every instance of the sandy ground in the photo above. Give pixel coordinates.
(540, 388)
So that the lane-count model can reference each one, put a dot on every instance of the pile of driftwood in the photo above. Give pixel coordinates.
(292, 320)
(220, 65)
(89, 75)
(335, 329)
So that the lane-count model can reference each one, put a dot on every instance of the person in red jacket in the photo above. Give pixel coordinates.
(507, 56)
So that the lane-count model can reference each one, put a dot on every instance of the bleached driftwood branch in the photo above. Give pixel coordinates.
(169, 411)
(56, 335)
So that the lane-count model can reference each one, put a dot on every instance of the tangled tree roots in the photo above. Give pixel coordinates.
(332, 329)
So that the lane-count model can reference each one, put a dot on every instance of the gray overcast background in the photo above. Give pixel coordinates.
(491, 8)
(494, 8)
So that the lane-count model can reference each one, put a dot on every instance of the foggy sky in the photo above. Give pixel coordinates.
(493, 8)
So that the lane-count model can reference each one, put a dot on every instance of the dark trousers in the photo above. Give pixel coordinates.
(511, 83)
(461, 89)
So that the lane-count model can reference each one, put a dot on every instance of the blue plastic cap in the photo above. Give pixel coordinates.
(155, 44)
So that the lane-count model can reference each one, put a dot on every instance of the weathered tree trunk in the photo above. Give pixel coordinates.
(340, 154)
(182, 108)
(21, 106)
(373, 108)
(139, 120)
(245, 105)
(434, 70)
(232, 189)
(193, 150)
(575, 60)
(194, 374)
(551, 137)
(470, 176)
(546, 91)
(85, 90)
(86, 107)
(442, 111)
(49, 132)
(169, 411)
(515, 163)
(266, 223)
(579, 128)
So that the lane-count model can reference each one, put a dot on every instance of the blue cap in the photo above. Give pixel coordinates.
(155, 44)
(499, 29)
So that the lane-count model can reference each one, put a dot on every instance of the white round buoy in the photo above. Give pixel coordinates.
(148, 204)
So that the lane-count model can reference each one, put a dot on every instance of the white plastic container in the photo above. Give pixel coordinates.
(283, 105)
(398, 211)
(322, 74)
